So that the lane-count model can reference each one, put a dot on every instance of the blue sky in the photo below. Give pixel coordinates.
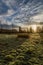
(21, 12)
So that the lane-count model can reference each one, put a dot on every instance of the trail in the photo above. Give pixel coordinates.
(30, 49)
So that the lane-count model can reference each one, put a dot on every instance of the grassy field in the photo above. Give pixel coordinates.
(16, 50)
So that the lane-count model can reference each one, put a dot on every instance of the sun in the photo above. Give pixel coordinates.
(34, 27)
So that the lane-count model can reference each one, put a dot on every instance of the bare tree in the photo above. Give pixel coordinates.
(31, 30)
(0, 26)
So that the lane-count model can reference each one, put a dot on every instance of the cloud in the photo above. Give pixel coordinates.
(37, 18)
(22, 12)
(10, 12)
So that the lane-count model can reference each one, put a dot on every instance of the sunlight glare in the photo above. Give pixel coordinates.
(34, 27)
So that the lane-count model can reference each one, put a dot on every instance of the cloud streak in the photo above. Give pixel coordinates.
(23, 11)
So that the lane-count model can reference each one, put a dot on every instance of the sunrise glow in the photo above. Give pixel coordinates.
(34, 27)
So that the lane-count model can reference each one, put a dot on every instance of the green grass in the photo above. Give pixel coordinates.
(21, 51)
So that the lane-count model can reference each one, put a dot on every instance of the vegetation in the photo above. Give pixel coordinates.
(16, 50)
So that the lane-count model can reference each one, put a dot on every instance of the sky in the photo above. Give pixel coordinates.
(21, 12)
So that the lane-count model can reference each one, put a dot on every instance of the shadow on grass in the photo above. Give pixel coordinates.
(11, 42)
(41, 37)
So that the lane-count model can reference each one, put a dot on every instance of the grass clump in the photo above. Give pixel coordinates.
(29, 51)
